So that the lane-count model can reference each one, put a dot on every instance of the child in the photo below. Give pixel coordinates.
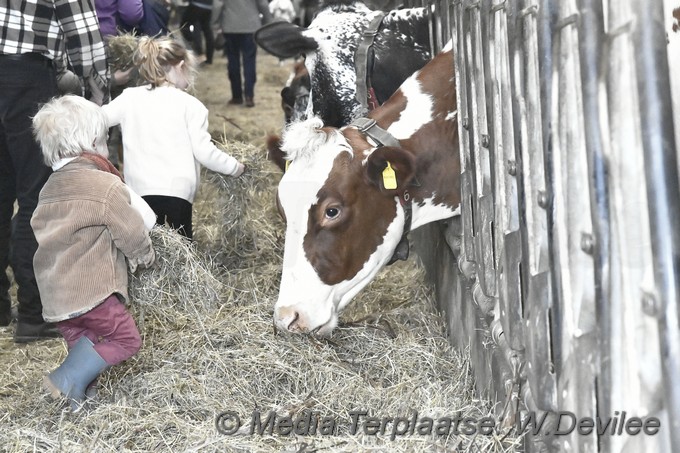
(165, 133)
(86, 226)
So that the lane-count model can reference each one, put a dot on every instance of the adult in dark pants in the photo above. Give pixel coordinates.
(198, 14)
(34, 35)
(239, 20)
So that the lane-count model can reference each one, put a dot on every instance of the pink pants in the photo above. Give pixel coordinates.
(109, 326)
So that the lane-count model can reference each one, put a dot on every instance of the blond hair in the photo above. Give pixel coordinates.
(68, 126)
(156, 56)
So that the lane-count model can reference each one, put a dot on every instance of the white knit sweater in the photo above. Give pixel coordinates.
(165, 138)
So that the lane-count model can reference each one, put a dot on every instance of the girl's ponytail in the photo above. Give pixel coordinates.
(155, 56)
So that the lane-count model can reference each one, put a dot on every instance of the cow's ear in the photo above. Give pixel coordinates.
(274, 153)
(284, 40)
(391, 169)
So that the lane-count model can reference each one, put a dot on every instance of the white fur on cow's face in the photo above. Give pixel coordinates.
(305, 302)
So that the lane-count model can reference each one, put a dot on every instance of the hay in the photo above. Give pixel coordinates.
(121, 49)
(236, 218)
(205, 313)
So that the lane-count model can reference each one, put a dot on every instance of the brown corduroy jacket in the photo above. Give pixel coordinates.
(85, 228)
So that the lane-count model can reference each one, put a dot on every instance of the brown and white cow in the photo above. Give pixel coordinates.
(344, 217)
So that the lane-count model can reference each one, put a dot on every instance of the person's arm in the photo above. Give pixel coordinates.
(216, 15)
(263, 7)
(114, 110)
(126, 227)
(131, 12)
(141, 206)
(84, 46)
(205, 151)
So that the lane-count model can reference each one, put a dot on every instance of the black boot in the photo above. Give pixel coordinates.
(26, 333)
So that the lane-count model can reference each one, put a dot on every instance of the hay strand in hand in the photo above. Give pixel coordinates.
(121, 50)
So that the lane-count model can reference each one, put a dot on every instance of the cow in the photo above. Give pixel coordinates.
(349, 204)
(296, 89)
(400, 47)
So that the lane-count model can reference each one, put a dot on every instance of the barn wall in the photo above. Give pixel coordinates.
(561, 275)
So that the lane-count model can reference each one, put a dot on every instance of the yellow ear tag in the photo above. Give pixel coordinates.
(287, 165)
(389, 177)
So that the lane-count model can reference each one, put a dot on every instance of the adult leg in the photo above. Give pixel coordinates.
(31, 175)
(7, 198)
(198, 29)
(249, 49)
(203, 17)
(185, 25)
(23, 87)
(115, 145)
(233, 52)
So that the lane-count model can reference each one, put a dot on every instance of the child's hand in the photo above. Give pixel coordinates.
(142, 262)
(121, 77)
(149, 259)
(240, 170)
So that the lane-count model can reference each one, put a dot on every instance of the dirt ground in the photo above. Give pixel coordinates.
(240, 123)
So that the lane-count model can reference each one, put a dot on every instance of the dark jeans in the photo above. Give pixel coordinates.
(176, 212)
(24, 85)
(237, 46)
(200, 19)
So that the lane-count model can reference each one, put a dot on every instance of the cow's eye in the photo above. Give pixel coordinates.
(332, 213)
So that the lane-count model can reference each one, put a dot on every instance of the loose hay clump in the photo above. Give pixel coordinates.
(182, 281)
(121, 49)
(236, 218)
(205, 313)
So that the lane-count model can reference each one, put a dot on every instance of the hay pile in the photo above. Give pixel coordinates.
(121, 50)
(205, 313)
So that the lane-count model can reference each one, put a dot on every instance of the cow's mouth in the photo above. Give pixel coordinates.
(325, 330)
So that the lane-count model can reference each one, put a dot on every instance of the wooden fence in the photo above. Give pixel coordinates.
(561, 274)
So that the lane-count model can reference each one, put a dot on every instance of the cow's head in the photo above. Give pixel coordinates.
(342, 224)
(329, 46)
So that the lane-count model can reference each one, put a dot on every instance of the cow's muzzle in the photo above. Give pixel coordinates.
(290, 319)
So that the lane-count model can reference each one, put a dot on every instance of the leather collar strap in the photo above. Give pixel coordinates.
(361, 59)
(369, 127)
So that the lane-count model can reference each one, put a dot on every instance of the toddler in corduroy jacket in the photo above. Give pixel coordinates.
(88, 224)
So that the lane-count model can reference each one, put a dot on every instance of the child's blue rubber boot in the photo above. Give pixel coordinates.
(81, 366)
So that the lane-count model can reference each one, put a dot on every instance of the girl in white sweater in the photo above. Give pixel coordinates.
(165, 133)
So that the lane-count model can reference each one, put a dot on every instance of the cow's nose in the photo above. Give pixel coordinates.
(288, 318)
